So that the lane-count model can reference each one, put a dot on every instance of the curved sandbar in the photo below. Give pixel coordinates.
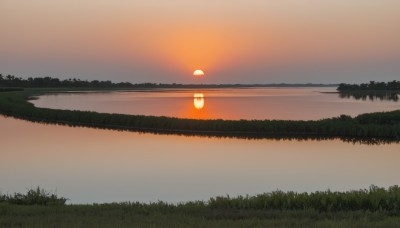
(369, 128)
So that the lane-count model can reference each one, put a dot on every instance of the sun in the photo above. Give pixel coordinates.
(198, 73)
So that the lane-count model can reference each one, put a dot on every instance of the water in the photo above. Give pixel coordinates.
(91, 165)
(249, 103)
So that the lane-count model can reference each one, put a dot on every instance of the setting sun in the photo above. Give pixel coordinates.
(198, 73)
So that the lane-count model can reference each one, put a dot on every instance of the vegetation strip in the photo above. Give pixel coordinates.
(366, 207)
(49, 82)
(371, 91)
(372, 199)
(372, 86)
(374, 127)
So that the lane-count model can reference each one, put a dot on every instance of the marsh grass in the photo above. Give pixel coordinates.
(373, 207)
(372, 199)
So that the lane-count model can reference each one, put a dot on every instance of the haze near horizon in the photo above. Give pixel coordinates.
(231, 41)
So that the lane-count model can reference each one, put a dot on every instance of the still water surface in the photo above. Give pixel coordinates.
(92, 165)
(243, 103)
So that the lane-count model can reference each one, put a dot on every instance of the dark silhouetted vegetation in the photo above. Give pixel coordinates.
(36, 196)
(49, 82)
(372, 199)
(371, 86)
(382, 125)
(371, 91)
(363, 208)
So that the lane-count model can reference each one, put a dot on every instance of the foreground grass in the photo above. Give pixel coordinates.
(375, 207)
(118, 215)
(10, 89)
(370, 128)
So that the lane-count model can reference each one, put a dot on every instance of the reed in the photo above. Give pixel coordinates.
(360, 208)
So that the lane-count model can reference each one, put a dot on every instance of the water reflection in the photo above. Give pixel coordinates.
(228, 104)
(198, 100)
(226, 135)
(110, 166)
(382, 96)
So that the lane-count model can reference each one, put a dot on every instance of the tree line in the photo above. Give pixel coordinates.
(37, 82)
(371, 86)
(50, 82)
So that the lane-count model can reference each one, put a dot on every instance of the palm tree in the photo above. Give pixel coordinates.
(10, 77)
(393, 85)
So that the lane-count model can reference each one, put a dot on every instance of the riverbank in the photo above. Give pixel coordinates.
(366, 208)
(368, 128)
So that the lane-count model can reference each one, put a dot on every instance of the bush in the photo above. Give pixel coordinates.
(36, 196)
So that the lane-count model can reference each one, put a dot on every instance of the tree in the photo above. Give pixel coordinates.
(10, 77)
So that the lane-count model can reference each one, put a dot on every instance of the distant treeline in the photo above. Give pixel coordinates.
(371, 91)
(371, 86)
(49, 82)
(372, 125)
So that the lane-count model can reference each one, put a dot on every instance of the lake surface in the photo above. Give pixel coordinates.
(92, 165)
(242, 103)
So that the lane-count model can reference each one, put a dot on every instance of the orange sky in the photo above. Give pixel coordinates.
(232, 41)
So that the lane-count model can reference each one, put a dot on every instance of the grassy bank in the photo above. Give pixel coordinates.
(367, 208)
(372, 127)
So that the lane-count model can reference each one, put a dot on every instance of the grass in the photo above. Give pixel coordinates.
(374, 207)
(10, 89)
(367, 128)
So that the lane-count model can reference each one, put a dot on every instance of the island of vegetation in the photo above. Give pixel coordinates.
(373, 207)
(372, 90)
(370, 127)
(372, 86)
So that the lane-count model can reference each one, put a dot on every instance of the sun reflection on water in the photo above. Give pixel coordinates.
(198, 100)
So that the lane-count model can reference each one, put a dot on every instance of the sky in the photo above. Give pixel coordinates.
(232, 41)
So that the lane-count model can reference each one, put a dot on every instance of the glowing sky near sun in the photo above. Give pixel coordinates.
(236, 41)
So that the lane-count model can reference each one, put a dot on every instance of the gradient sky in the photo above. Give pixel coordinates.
(233, 41)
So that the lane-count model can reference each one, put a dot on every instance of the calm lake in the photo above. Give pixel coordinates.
(243, 103)
(92, 165)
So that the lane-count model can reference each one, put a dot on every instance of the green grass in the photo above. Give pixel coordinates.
(10, 89)
(369, 128)
(118, 215)
(374, 207)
